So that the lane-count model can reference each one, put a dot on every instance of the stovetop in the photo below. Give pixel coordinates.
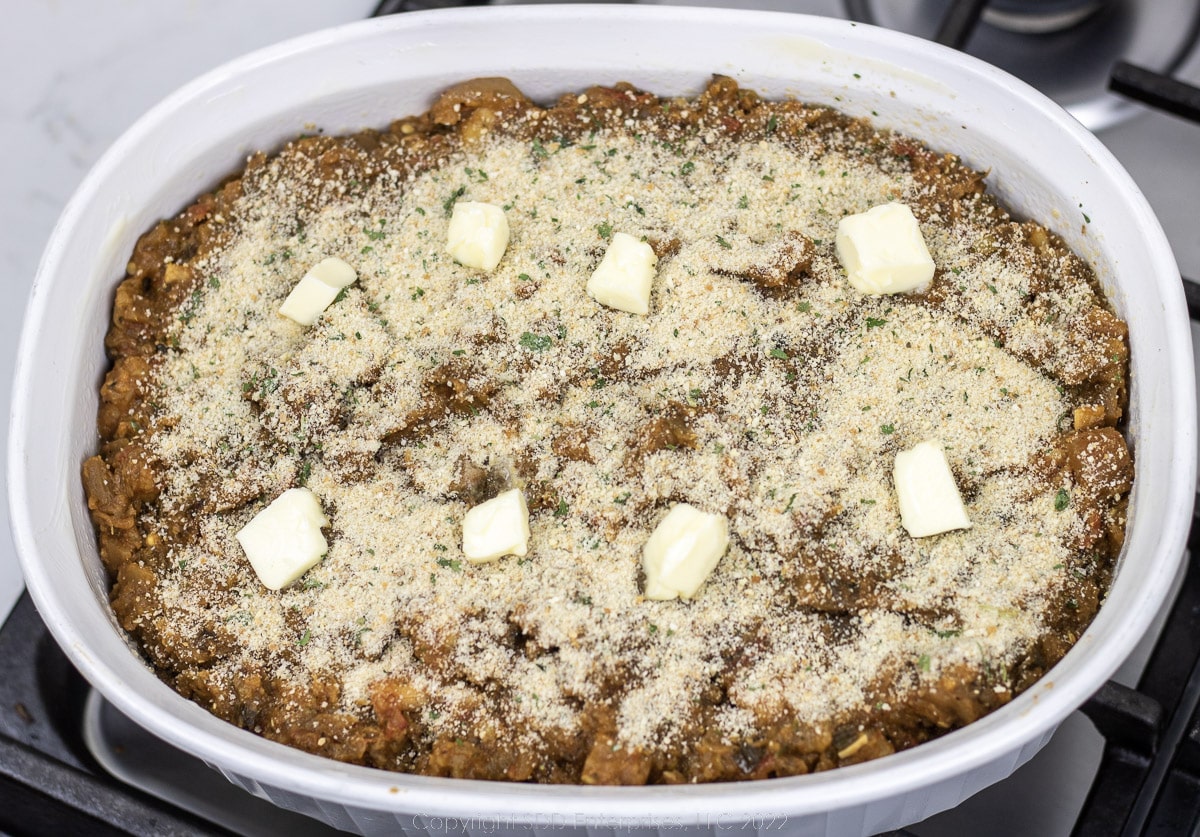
(76, 75)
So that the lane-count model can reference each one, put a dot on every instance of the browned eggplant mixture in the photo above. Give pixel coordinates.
(760, 386)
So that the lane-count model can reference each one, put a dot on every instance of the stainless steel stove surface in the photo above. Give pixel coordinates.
(76, 75)
(1065, 48)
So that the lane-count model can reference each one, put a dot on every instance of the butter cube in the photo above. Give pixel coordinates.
(316, 290)
(929, 499)
(333, 272)
(284, 540)
(682, 552)
(308, 300)
(623, 277)
(477, 235)
(495, 528)
(883, 251)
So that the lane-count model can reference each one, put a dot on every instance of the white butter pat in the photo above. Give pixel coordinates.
(929, 500)
(316, 290)
(284, 540)
(682, 552)
(883, 250)
(495, 528)
(478, 234)
(623, 278)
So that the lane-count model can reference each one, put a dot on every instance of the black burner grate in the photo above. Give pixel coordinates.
(49, 783)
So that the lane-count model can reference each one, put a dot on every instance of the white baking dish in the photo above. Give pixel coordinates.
(1043, 165)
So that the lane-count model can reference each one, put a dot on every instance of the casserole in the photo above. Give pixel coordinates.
(1044, 166)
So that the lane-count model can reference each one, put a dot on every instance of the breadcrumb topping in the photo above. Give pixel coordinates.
(760, 386)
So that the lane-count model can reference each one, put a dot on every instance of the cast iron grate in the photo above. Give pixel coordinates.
(49, 783)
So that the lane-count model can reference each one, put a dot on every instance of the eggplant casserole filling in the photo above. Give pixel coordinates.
(760, 386)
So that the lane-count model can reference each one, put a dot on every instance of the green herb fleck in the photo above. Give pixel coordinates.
(448, 204)
(605, 230)
(535, 342)
(193, 303)
(453, 563)
(779, 353)
(724, 243)
(304, 638)
(743, 202)
(887, 429)
(1062, 499)
(687, 168)
(772, 124)
(561, 511)
(923, 662)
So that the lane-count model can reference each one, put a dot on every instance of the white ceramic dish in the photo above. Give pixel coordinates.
(1044, 165)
